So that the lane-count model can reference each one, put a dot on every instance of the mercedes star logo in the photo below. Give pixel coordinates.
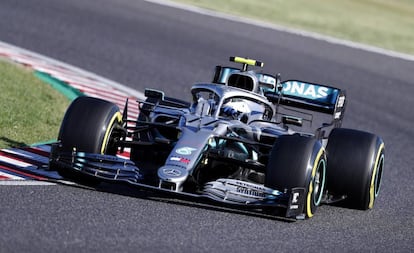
(172, 172)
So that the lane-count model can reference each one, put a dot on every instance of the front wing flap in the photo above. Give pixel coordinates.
(105, 167)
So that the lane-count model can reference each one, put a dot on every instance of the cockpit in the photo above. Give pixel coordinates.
(221, 101)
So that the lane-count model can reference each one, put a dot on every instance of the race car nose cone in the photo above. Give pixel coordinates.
(173, 174)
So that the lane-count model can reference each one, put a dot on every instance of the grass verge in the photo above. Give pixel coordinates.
(382, 23)
(30, 111)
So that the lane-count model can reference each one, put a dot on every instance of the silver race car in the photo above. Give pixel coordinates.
(247, 140)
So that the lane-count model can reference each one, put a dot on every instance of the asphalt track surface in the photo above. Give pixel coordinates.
(146, 45)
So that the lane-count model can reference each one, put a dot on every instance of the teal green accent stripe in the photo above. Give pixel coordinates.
(61, 86)
(43, 143)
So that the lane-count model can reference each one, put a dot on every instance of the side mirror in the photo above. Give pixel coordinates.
(156, 94)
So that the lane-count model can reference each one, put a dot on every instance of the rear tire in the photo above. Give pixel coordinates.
(355, 165)
(298, 161)
(88, 126)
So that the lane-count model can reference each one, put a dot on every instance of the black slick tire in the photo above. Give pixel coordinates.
(355, 165)
(298, 161)
(88, 126)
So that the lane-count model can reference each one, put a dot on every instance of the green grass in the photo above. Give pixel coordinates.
(387, 24)
(31, 111)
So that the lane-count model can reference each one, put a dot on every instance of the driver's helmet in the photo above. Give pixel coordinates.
(235, 108)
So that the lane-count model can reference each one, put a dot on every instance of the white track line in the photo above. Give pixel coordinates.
(280, 28)
(24, 182)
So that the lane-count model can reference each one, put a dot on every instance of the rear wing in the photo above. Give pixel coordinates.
(310, 96)
(295, 93)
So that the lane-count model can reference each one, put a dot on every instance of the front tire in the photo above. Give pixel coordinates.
(298, 161)
(89, 125)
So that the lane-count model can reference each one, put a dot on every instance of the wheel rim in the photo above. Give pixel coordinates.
(378, 176)
(316, 184)
(319, 182)
(111, 149)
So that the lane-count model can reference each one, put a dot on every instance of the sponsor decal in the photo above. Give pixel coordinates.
(341, 101)
(337, 115)
(185, 150)
(180, 159)
(296, 202)
(294, 207)
(231, 190)
(250, 192)
(266, 79)
(295, 197)
(305, 90)
(310, 91)
(172, 172)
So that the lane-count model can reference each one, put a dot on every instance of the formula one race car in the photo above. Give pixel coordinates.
(245, 140)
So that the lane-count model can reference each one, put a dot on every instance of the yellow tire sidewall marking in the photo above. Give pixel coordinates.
(118, 117)
(372, 185)
(310, 191)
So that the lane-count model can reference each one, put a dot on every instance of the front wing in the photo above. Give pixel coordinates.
(230, 192)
